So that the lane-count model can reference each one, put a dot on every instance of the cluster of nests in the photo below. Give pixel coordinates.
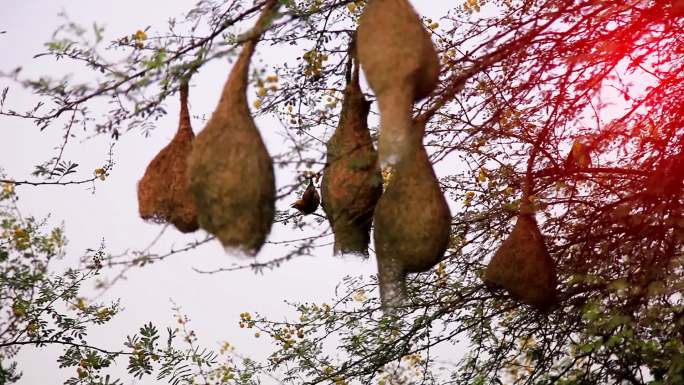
(223, 181)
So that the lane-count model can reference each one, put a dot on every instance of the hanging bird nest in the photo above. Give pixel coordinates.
(352, 182)
(163, 192)
(401, 65)
(412, 222)
(522, 265)
(231, 172)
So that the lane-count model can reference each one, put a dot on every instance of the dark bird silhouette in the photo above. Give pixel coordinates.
(309, 201)
(580, 155)
(667, 179)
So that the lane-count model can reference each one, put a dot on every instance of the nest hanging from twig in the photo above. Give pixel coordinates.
(401, 65)
(163, 192)
(231, 172)
(352, 182)
(412, 222)
(523, 267)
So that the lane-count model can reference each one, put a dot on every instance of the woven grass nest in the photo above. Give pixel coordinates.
(412, 222)
(163, 192)
(352, 182)
(523, 267)
(401, 65)
(231, 172)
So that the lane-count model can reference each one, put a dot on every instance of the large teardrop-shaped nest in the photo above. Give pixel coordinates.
(412, 222)
(231, 171)
(401, 65)
(395, 49)
(412, 218)
(523, 266)
(163, 192)
(352, 182)
(233, 183)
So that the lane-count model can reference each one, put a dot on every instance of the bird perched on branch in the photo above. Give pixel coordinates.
(580, 154)
(310, 199)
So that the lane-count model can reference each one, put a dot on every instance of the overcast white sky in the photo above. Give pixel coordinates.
(213, 302)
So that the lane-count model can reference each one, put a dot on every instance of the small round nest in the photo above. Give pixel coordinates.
(523, 267)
